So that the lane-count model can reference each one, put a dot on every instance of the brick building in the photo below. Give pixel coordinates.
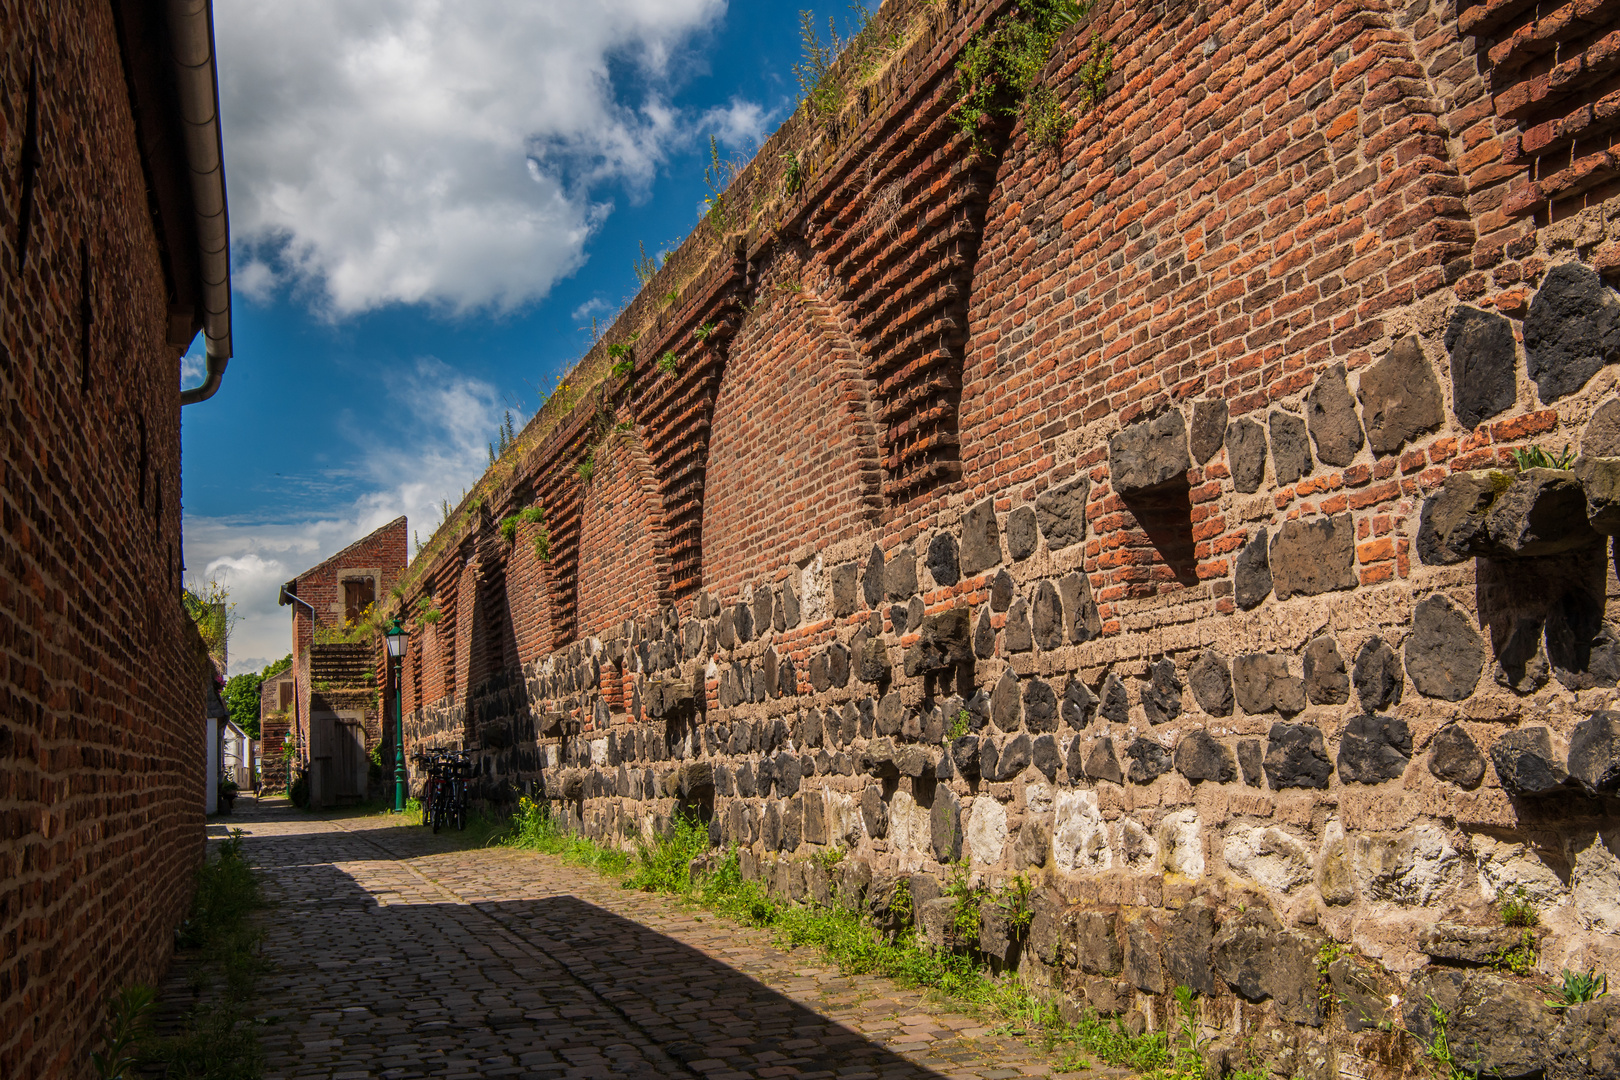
(1119, 491)
(338, 667)
(113, 256)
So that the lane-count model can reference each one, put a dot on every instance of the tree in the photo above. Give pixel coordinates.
(241, 695)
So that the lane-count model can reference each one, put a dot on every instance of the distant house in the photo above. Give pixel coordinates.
(339, 667)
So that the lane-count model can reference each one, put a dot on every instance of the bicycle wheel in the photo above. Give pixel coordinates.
(438, 808)
(427, 801)
(461, 805)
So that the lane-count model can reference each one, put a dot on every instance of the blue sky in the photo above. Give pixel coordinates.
(429, 201)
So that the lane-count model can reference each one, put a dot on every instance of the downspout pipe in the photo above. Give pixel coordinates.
(191, 39)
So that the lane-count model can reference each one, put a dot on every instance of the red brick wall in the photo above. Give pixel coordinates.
(623, 568)
(102, 695)
(793, 459)
(528, 594)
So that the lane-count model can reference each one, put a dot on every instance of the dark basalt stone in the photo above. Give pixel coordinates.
(1251, 575)
(1187, 947)
(837, 665)
(726, 632)
(1251, 757)
(1211, 683)
(1021, 533)
(1116, 705)
(1374, 749)
(1331, 414)
(871, 658)
(1261, 682)
(916, 612)
(945, 825)
(1601, 437)
(1149, 454)
(1149, 760)
(1013, 759)
(1586, 1046)
(1541, 512)
(1582, 648)
(845, 595)
(1161, 697)
(891, 714)
(1103, 764)
(981, 540)
(1045, 756)
(1015, 634)
(1594, 753)
(1571, 331)
(1208, 429)
(1002, 591)
(1048, 616)
(1296, 757)
(1290, 447)
(945, 642)
(1061, 513)
(1483, 362)
(1454, 517)
(1311, 557)
(1040, 706)
(1004, 702)
(1455, 757)
(943, 563)
(790, 606)
(764, 607)
(787, 679)
(1502, 1027)
(872, 580)
(984, 636)
(965, 755)
(1078, 703)
(1378, 675)
(1526, 763)
(874, 812)
(1199, 757)
(1081, 619)
(1600, 483)
(900, 574)
(1076, 760)
(1246, 454)
(1400, 397)
(1521, 661)
(1259, 962)
(1444, 654)
(1326, 682)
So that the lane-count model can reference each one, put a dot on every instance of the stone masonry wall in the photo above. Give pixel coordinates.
(102, 697)
(1141, 517)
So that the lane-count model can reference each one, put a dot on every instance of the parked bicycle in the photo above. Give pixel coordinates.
(444, 798)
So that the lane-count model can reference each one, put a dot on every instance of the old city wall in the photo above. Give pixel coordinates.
(1121, 515)
(103, 695)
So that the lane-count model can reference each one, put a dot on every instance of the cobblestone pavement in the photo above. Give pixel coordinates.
(397, 955)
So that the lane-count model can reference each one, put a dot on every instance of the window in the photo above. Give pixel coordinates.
(358, 595)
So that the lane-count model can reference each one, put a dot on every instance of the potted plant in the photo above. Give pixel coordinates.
(227, 793)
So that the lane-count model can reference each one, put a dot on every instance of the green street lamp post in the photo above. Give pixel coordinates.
(396, 637)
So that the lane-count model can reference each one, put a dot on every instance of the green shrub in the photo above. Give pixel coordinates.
(1516, 907)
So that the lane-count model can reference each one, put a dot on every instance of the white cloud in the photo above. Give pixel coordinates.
(740, 125)
(384, 151)
(450, 418)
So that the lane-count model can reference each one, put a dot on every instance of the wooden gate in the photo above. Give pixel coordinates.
(349, 759)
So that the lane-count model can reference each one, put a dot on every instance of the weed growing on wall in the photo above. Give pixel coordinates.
(350, 631)
(666, 864)
(529, 515)
(1574, 988)
(1515, 907)
(1534, 457)
(668, 363)
(646, 266)
(129, 1024)
(998, 71)
(623, 359)
(219, 944)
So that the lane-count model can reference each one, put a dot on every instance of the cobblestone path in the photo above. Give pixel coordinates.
(397, 955)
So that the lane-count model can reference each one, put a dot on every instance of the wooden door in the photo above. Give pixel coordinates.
(349, 759)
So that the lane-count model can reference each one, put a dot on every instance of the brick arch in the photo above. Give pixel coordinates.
(624, 567)
(794, 455)
(529, 597)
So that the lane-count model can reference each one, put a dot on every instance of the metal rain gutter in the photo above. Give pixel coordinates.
(191, 37)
